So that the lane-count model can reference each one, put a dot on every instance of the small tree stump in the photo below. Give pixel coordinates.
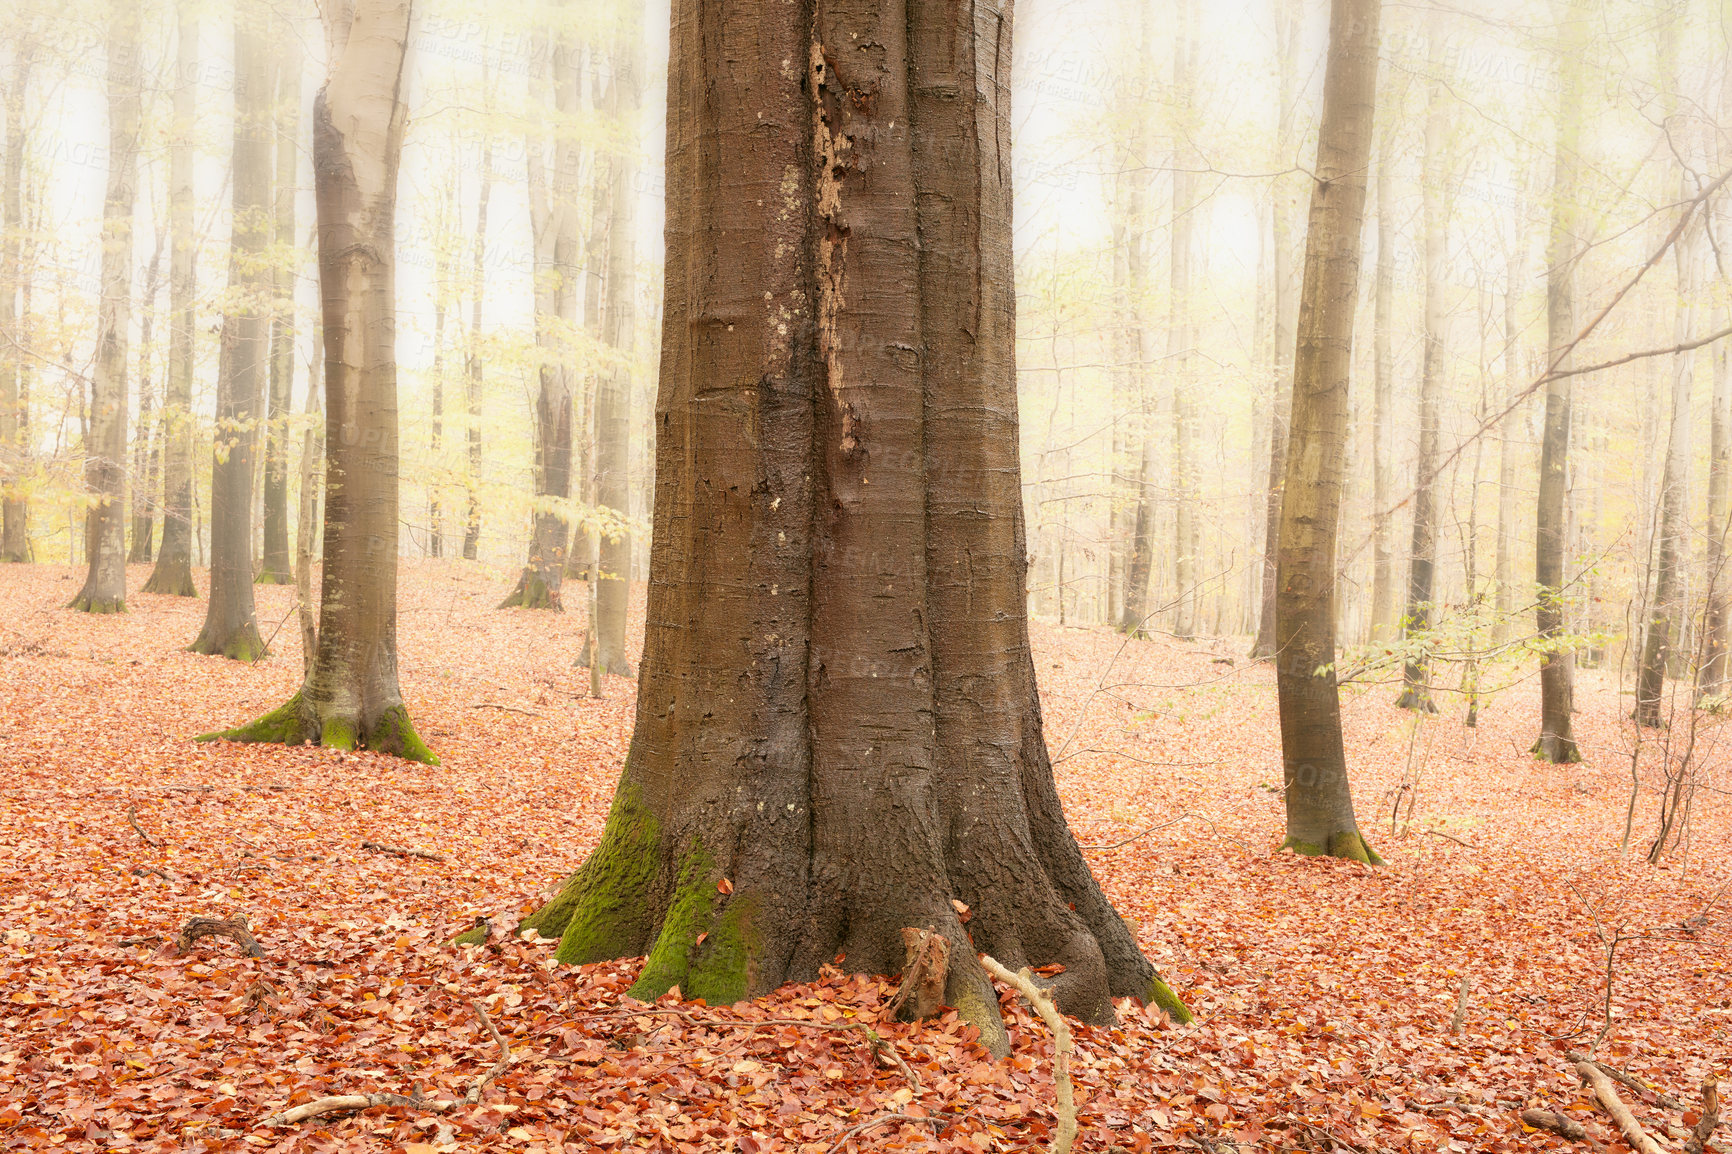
(924, 967)
(234, 929)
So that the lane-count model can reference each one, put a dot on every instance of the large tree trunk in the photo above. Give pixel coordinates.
(837, 729)
(1422, 557)
(243, 362)
(1383, 623)
(472, 377)
(1508, 430)
(1557, 661)
(612, 574)
(1136, 539)
(350, 699)
(1286, 312)
(1179, 332)
(104, 589)
(14, 417)
(277, 569)
(1672, 548)
(1319, 803)
(553, 220)
(173, 571)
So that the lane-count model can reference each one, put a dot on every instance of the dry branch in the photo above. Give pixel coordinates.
(1710, 1119)
(234, 929)
(1447, 837)
(505, 708)
(1608, 1098)
(1023, 981)
(1629, 1080)
(132, 820)
(1460, 1005)
(339, 1103)
(870, 1123)
(399, 851)
(1560, 1125)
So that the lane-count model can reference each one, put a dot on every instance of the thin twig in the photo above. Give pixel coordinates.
(871, 1122)
(132, 819)
(1447, 837)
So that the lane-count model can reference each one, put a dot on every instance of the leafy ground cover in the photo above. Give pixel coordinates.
(1325, 991)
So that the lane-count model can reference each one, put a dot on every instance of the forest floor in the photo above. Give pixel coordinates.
(1324, 991)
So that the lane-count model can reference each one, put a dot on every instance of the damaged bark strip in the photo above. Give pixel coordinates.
(350, 698)
(837, 732)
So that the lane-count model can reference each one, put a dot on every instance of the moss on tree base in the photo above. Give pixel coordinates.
(1556, 750)
(103, 605)
(1349, 844)
(176, 584)
(1163, 995)
(532, 592)
(295, 722)
(244, 645)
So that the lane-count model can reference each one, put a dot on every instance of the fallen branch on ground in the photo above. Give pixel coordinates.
(878, 1121)
(1023, 981)
(1629, 1080)
(399, 851)
(1560, 1125)
(1608, 1098)
(234, 929)
(1447, 837)
(132, 819)
(1710, 1119)
(506, 708)
(338, 1103)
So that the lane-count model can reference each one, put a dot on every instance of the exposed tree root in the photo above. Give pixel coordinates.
(532, 592)
(1348, 843)
(1556, 750)
(132, 820)
(87, 604)
(235, 929)
(339, 1103)
(1037, 997)
(297, 722)
(1608, 1098)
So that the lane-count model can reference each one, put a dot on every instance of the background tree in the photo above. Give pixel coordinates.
(1557, 662)
(104, 589)
(242, 371)
(173, 571)
(1319, 802)
(838, 545)
(14, 414)
(350, 698)
(276, 568)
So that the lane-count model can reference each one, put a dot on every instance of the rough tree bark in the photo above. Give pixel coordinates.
(1319, 803)
(553, 221)
(173, 571)
(350, 699)
(243, 360)
(837, 729)
(1422, 556)
(277, 568)
(612, 574)
(104, 589)
(1286, 312)
(14, 417)
(1557, 662)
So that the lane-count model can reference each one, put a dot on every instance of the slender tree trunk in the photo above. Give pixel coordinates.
(244, 360)
(1508, 431)
(1717, 622)
(553, 220)
(1383, 621)
(1287, 22)
(277, 569)
(1422, 558)
(1672, 548)
(837, 644)
(14, 333)
(351, 698)
(612, 575)
(144, 442)
(104, 589)
(1179, 332)
(436, 437)
(312, 450)
(473, 374)
(1557, 663)
(1137, 512)
(173, 571)
(1320, 816)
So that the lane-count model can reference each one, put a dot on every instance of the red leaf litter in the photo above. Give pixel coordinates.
(1323, 990)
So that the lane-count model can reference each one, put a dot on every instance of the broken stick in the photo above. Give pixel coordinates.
(1629, 1080)
(234, 929)
(399, 851)
(1608, 1098)
(132, 819)
(1560, 1125)
(1710, 1119)
(338, 1103)
(1023, 981)
(1460, 1005)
